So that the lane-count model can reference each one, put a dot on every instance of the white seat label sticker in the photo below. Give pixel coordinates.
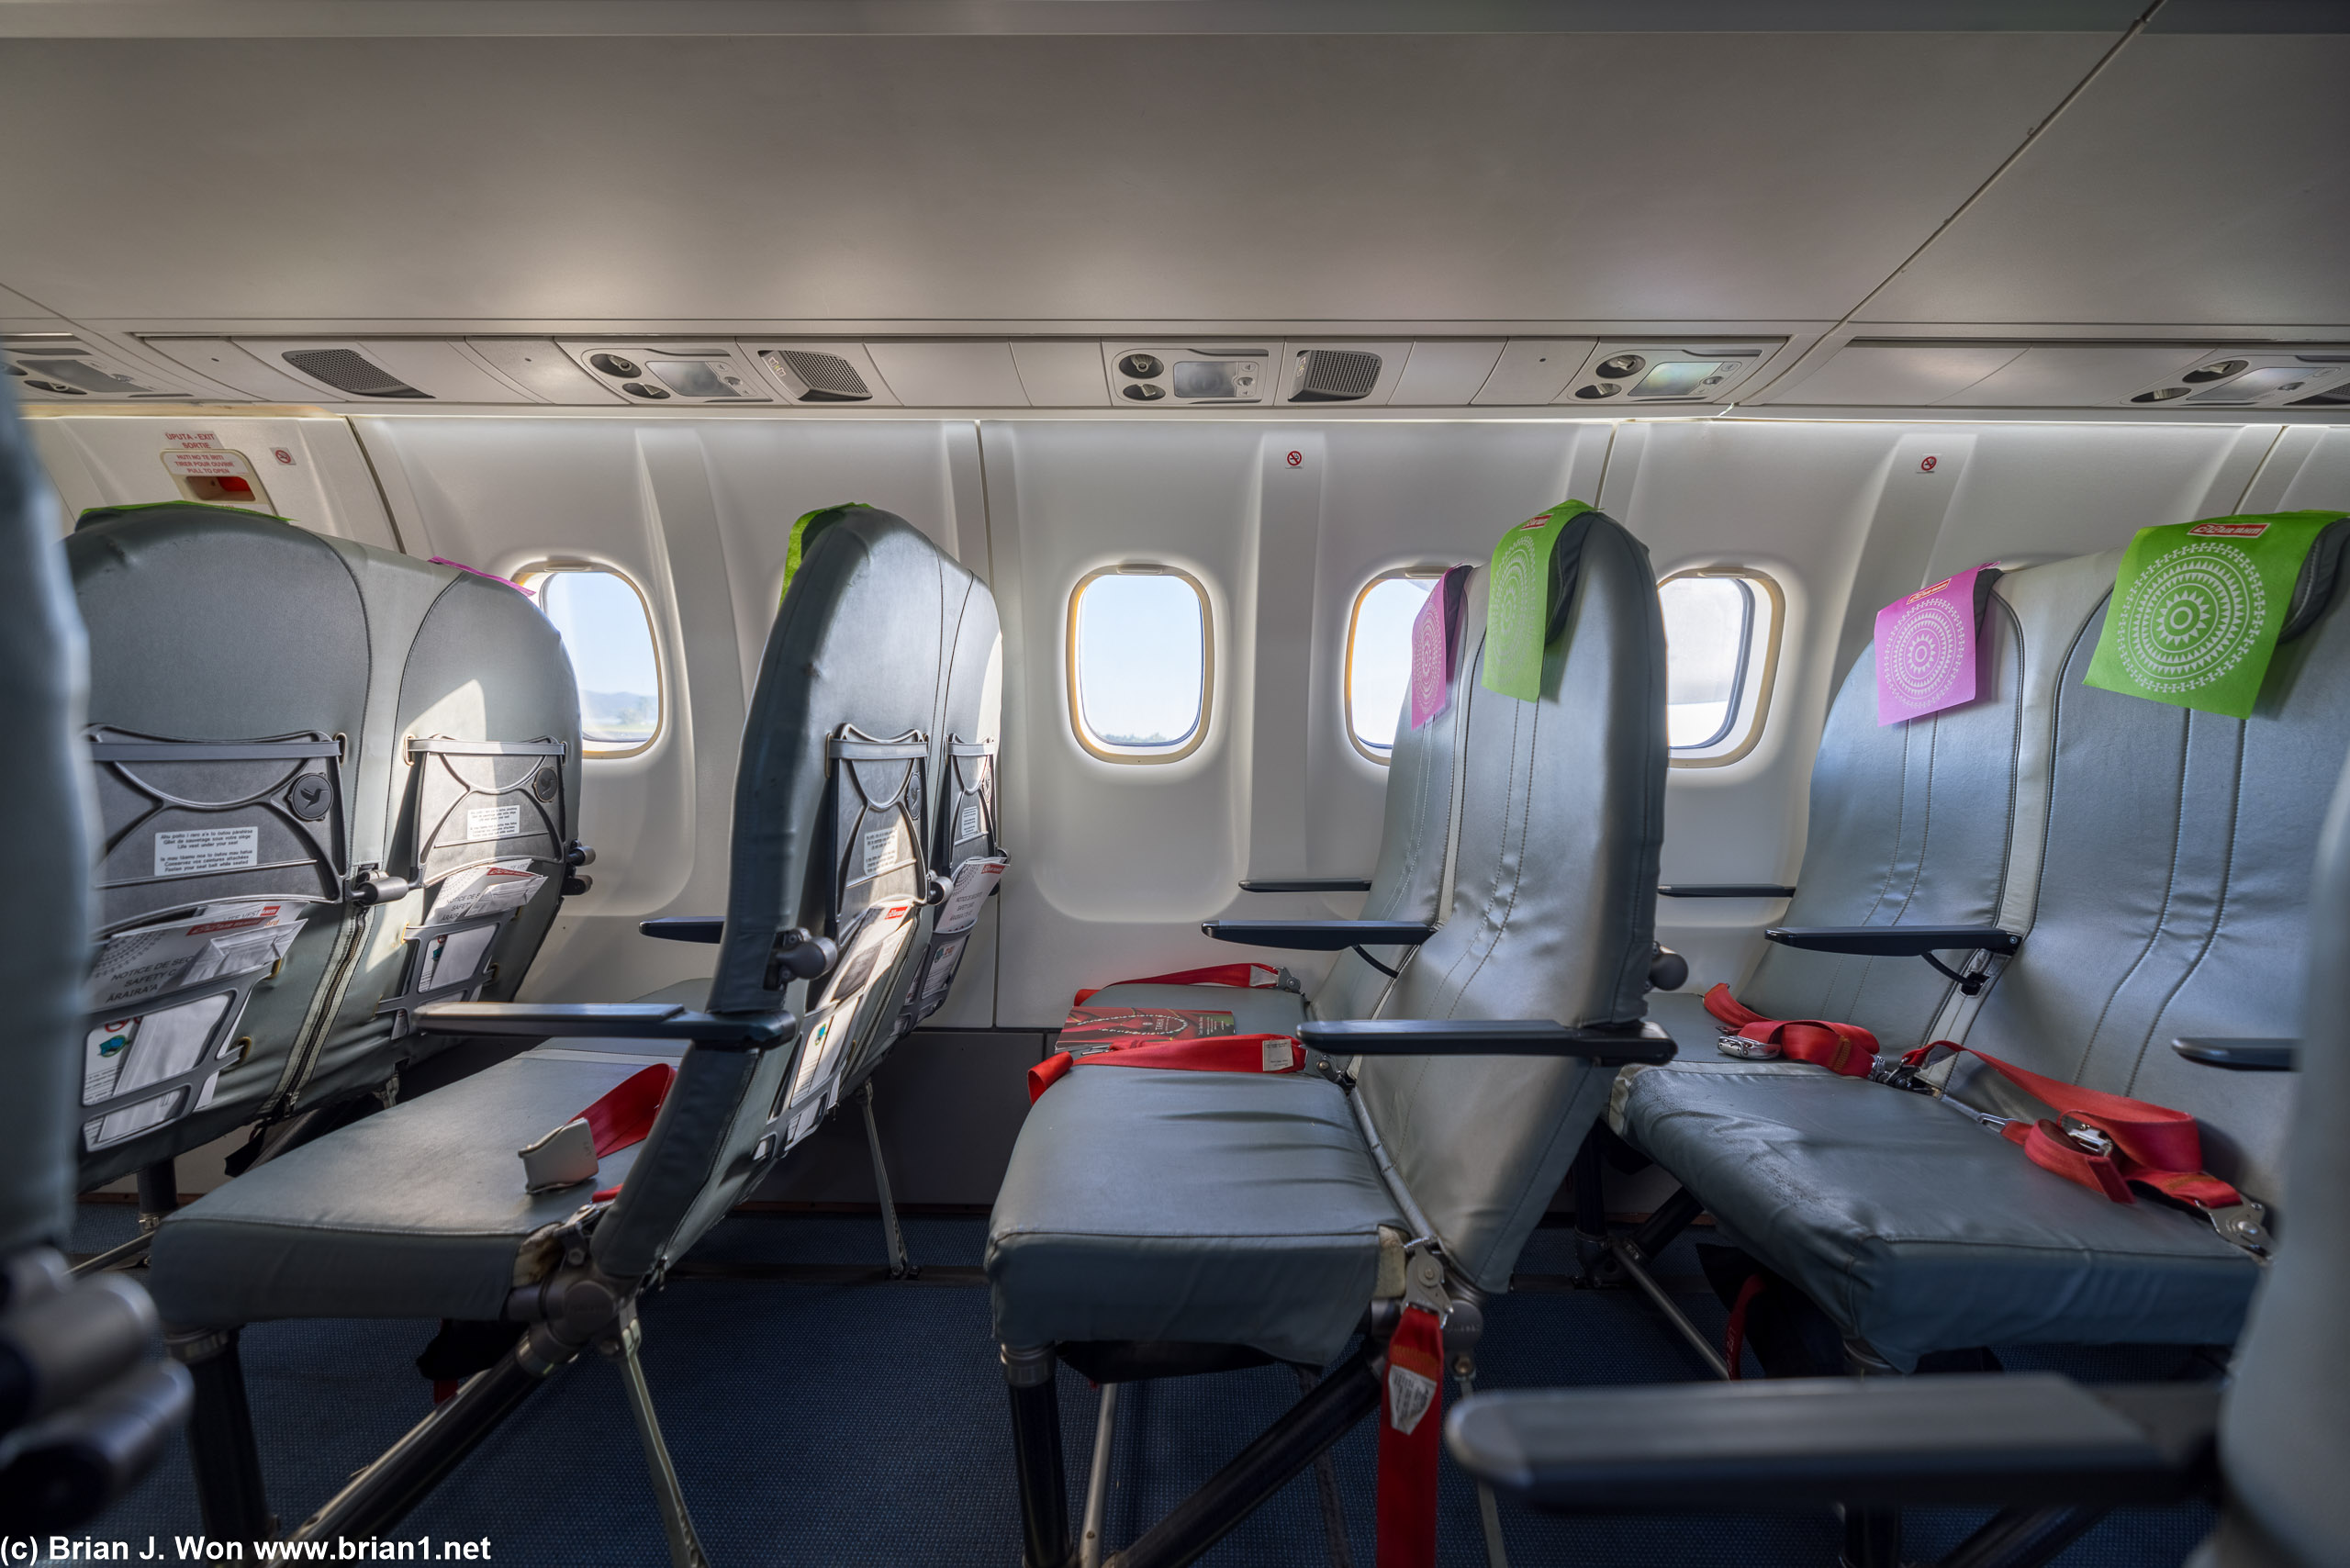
(493, 822)
(191, 850)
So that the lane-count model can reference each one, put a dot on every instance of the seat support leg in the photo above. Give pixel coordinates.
(685, 1546)
(1634, 1262)
(381, 1495)
(1872, 1536)
(228, 1488)
(2022, 1537)
(1036, 1456)
(901, 1265)
(1097, 1482)
(1308, 1428)
(1489, 1513)
(1325, 1489)
(158, 1192)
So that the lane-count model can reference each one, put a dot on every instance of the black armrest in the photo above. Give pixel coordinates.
(1488, 1037)
(606, 1021)
(1725, 891)
(2016, 1438)
(1310, 885)
(1896, 941)
(685, 928)
(1320, 936)
(2239, 1056)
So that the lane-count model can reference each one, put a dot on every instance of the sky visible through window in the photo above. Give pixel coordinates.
(1379, 663)
(604, 631)
(1140, 659)
(1705, 623)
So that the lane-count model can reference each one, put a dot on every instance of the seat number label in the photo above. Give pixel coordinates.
(195, 850)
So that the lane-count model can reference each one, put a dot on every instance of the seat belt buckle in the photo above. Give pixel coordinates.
(1284, 980)
(564, 1158)
(2087, 1136)
(1896, 1073)
(1733, 1044)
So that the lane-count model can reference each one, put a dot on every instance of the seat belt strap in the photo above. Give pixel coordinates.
(1411, 1421)
(1241, 975)
(623, 1115)
(2106, 1141)
(1845, 1049)
(1212, 1053)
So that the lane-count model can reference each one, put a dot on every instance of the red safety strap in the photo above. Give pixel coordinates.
(1411, 1420)
(2154, 1146)
(1243, 975)
(1212, 1053)
(1845, 1049)
(622, 1117)
(1734, 1331)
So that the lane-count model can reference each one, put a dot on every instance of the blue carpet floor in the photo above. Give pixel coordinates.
(866, 1424)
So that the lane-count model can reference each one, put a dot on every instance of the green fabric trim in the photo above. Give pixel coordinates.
(1521, 595)
(2197, 608)
(805, 531)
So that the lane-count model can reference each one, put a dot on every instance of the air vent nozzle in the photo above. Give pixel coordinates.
(348, 371)
(1335, 375)
(828, 377)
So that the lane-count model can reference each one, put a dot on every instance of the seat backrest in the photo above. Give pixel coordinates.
(2173, 892)
(829, 837)
(253, 688)
(1552, 899)
(1407, 880)
(964, 726)
(1921, 822)
(2284, 1435)
(45, 898)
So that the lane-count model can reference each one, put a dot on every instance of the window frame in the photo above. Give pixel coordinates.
(1111, 751)
(533, 576)
(1751, 691)
(1430, 575)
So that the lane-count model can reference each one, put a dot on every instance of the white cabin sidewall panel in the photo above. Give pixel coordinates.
(310, 465)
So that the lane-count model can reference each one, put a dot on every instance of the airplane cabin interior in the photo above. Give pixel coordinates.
(1111, 783)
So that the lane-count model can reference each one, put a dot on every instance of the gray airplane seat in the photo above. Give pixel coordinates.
(644, 1122)
(288, 734)
(1161, 1221)
(1910, 826)
(85, 1403)
(2163, 897)
(2272, 1443)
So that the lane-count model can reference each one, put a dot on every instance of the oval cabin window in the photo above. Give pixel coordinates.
(1141, 663)
(1379, 658)
(608, 632)
(1721, 637)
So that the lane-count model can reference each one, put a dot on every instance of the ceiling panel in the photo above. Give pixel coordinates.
(520, 183)
(2200, 178)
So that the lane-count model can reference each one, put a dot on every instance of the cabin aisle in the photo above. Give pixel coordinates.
(863, 1424)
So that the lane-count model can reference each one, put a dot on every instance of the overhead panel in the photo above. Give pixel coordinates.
(950, 375)
(1627, 372)
(1231, 373)
(395, 370)
(58, 367)
(673, 370)
(1058, 374)
(1895, 375)
(1533, 371)
(819, 371)
(1446, 372)
(540, 369)
(224, 362)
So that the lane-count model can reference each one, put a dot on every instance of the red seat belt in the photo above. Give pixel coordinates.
(1243, 975)
(1411, 1420)
(2153, 1146)
(623, 1115)
(1845, 1049)
(1212, 1053)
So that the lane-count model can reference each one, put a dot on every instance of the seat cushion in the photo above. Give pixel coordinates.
(1202, 1207)
(1256, 1009)
(1920, 1229)
(416, 1212)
